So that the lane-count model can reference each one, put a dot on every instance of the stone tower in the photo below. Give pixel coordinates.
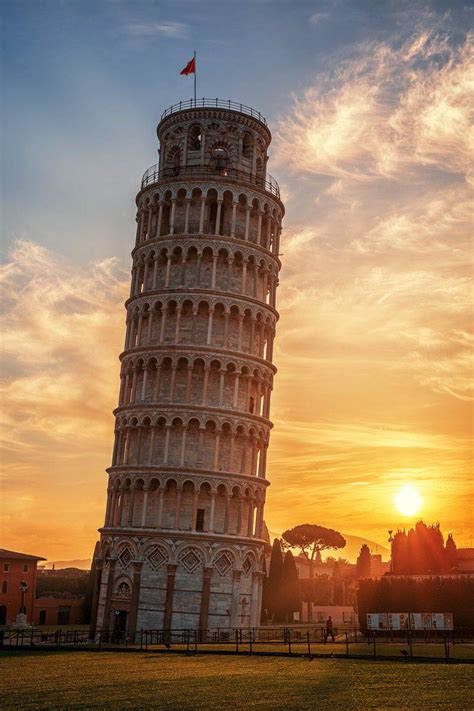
(181, 546)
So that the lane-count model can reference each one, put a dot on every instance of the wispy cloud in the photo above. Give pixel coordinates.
(170, 29)
(62, 329)
(385, 110)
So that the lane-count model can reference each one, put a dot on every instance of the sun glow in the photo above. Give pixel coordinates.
(408, 500)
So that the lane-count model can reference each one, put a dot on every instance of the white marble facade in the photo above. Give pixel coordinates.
(181, 546)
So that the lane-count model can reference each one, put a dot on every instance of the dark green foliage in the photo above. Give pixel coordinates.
(364, 562)
(61, 586)
(317, 590)
(273, 584)
(422, 551)
(411, 595)
(451, 553)
(290, 592)
(311, 539)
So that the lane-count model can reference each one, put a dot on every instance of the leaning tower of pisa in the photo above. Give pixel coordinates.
(181, 546)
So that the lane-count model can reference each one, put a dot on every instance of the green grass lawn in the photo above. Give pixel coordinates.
(110, 680)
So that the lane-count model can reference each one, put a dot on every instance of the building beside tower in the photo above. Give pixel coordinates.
(182, 546)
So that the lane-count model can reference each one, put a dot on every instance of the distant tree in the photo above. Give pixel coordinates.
(420, 551)
(275, 574)
(451, 550)
(311, 539)
(290, 591)
(364, 562)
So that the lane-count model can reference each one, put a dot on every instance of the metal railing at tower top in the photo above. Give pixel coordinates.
(214, 104)
(154, 175)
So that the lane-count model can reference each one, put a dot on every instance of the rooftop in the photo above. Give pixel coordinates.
(14, 555)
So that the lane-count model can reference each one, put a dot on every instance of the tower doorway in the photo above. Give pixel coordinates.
(120, 625)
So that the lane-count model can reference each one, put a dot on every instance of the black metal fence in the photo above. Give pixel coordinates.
(204, 103)
(455, 646)
(153, 175)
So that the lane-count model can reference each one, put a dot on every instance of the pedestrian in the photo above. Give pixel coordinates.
(329, 630)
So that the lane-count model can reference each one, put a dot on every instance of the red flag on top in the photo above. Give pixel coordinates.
(190, 67)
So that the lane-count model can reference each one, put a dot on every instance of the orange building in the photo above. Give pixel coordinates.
(18, 573)
(58, 611)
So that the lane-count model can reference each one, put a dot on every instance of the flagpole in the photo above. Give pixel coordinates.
(194, 78)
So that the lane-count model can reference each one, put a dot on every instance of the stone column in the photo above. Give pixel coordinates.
(256, 597)
(121, 505)
(259, 226)
(108, 508)
(173, 212)
(183, 446)
(164, 311)
(234, 219)
(186, 219)
(108, 596)
(168, 613)
(97, 565)
(178, 322)
(149, 329)
(235, 401)
(243, 288)
(160, 219)
(206, 589)
(218, 216)
(168, 271)
(209, 327)
(234, 609)
(167, 443)
(214, 270)
(201, 217)
(145, 506)
(152, 443)
(160, 508)
(145, 378)
(247, 223)
(132, 619)
(211, 514)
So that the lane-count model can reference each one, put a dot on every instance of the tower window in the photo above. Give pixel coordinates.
(200, 520)
(25, 567)
(195, 138)
(6, 567)
(247, 146)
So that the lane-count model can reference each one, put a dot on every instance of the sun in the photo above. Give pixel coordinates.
(408, 500)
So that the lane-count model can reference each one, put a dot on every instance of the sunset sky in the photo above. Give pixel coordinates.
(369, 105)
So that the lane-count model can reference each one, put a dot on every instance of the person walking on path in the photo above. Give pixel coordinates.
(329, 630)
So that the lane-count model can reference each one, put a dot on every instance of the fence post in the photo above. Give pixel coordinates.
(236, 641)
(347, 644)
(289, 642)
(309, 644)
(375, 646)
(250, 641)
(410, 643)
(446, 648)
